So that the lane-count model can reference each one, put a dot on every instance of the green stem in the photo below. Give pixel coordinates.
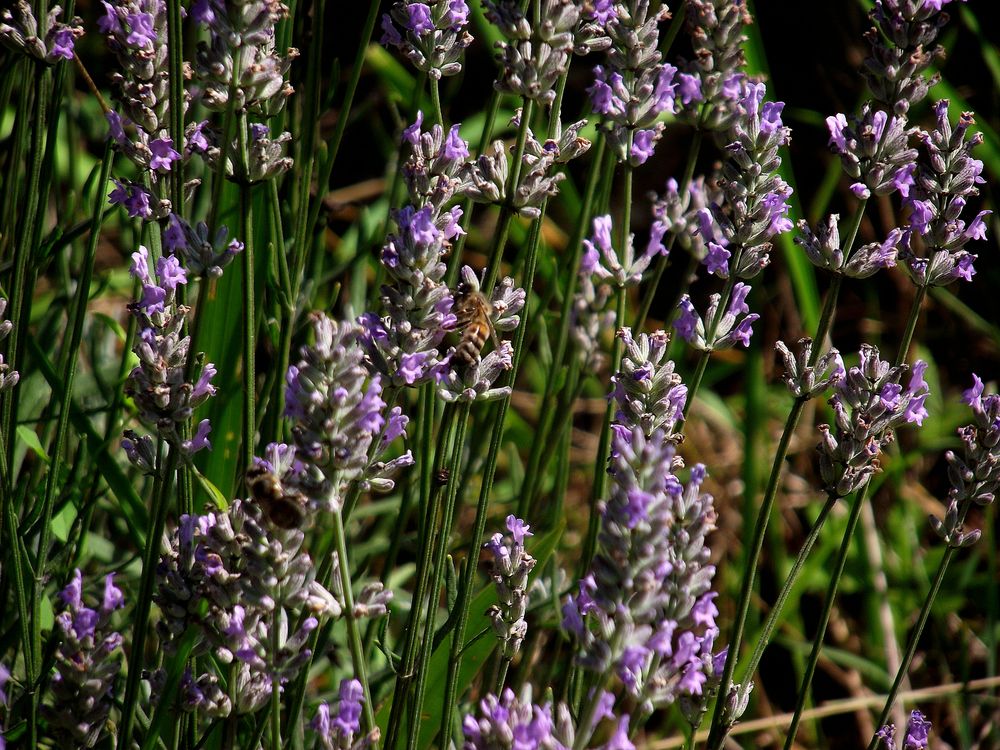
(249, 311)
(600, 484)
(831, 593)
(353, 632)
(911, 645)
(21, 295)
(454, 262)
(436, 111)
(338, 133)
(720, 727)
(546, 415)
(451, 494)
(408, 658)
(72, 345)
(911, 325)
(140, 624)
(507, 210)
(175, 61)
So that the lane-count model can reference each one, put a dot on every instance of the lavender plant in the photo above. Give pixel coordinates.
(458, 323)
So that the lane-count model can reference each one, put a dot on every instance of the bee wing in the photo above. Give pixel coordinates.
(489, 324)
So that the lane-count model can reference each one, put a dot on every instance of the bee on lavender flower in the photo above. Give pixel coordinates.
(473, 313)
(284, 508)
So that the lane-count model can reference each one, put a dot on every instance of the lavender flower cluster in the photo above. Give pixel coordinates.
(88, 660)
(511, 566)
(50, 41)
(869, 402)
(250, 592)
(163, 396)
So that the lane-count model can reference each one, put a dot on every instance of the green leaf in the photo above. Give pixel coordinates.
(29, 438)
(212, 491)
(62, 522)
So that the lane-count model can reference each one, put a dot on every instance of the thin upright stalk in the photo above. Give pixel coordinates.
(70, 361)
(249, 306)
(600, 484)
(911, 325)
(405, 673)
(451, 498)
(546, 415)
(860, 498)
(140, 624)
(353, 632)
(717, 734)
(29, 221)
(507, 210)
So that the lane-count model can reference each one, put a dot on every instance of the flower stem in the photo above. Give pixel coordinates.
(860, 498)
(600, 484)
(539, 445)
(718, 732)
(911, 324)
(249, 307)
(154, 538)
(353, 632)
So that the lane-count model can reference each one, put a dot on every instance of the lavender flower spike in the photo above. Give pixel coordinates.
(621, 268)
(339, 731)
(511, 566)
(645, 610)
(157, 384)
(647, 389)
(88, 660)
(54, 41)
(735, 325)
(975, 474)
(431, 36)
(917, 731)
(336, 415)
(509, 722)
(869, 402)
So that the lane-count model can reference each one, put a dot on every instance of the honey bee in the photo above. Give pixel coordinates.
(473, 313)
(284, 508)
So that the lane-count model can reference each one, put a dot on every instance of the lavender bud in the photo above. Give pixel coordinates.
(202, 256)
(716, 71)
(52, 42)
(510, 569)
(874, 151)
(917, 732)
(433, 35)
(507, 722)
(535, 55)
(8, 378)
(647, 389)
(622, 268)
(335, 415)
(806, 381)
(869, 402)
(88, 660)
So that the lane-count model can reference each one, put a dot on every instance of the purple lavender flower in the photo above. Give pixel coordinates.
(824, 251)
(869, 403)
(644, 610)
(734, 326)
(711, 82)
(534, 56)
(338, 731)
(946, 176)
(510, 569)
(251, 578)
(874, 151)
(337, 416)
(164, 399)
(202, 256)
(432, 37)
(647, 389)
(50, 42)
(683, 215)
(88, 660)
(509, 722)
(917, 731)
(485, 179)
(621, 268)
(975, 474)
(634, 88)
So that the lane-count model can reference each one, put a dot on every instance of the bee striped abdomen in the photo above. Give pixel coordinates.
(472, 312)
